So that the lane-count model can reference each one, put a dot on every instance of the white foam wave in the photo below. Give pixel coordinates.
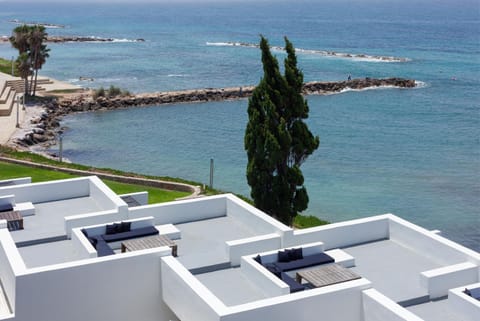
(420, 84)
(348, 89)
(177, 75)
(356, 57)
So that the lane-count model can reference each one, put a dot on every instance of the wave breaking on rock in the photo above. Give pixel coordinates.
(325, 53)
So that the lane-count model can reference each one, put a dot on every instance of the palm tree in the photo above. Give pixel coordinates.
(19, 39)
(24, 68)
(36, 38)
(41, 58)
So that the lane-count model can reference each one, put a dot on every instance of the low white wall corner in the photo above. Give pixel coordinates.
(439, 281)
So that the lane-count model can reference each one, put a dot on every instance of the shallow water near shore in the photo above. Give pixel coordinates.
(411, 152)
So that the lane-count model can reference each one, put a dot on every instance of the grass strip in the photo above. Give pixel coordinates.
(155, 195)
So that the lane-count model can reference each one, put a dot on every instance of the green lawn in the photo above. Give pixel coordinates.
(6, 66)
(156, 195)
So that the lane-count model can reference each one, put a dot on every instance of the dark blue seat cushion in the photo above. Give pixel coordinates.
(308, 260)
(474, 293)
(293, 284)
(102, 248)
(138, 232)
(273, 268)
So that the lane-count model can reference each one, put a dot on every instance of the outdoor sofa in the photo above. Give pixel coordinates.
(117, 232)
(293, 259)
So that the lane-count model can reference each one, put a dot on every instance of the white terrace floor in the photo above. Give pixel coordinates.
(393, 269)
(48, 221)
(435, 311)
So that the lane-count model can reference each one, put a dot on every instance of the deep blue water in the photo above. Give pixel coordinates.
(414, 153)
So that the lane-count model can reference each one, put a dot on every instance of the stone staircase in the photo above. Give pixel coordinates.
(10, 90)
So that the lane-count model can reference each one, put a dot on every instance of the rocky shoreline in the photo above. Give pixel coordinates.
(64, 39)
(46, 127)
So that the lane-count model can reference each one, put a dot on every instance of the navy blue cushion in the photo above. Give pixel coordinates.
(84, 231)
(110, 229)
(474, 293)
(298, 253)
(273, 268)
(258, 258)
(138, 232)
(103, 249)
(308, 260)
(294, 285)
(283, 256)
(93, 241)
(125, 226)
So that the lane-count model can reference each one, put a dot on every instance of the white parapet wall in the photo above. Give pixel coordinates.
(96, 218)
(183, 211)
(270, 284)
(120, 287)
(186, 296)
(430, 244)
(337, 235)
(238, 248)
(251, 216)
(15, 181)
(83, 248)
(11, 265)
(378, 307)
(438, 281)
(49, 191)
(463, 304)
(341, 301)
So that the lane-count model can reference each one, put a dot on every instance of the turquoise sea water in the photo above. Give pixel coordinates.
(414, 153)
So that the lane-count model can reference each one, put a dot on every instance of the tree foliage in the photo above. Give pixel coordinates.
(32, 52)
(277, 139)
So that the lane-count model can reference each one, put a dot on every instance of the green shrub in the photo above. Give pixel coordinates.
(100, 92)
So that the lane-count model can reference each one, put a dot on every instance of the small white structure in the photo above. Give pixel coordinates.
(53, 268)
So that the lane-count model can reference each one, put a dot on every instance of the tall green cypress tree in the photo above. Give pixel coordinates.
(277, 140)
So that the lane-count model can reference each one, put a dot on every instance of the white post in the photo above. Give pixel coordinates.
(211, 172)
(60, 152)
(18, 102)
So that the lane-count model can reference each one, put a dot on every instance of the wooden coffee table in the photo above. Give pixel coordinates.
(327, 274)
(14, 220)
(149, 243)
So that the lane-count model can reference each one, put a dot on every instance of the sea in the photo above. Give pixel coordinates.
(411, 152)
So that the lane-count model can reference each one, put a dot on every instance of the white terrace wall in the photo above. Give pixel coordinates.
(186, 296)
(11, 264)
(95, 218)
(49, 191)
(377, 307)
(343, 234)
(270, 284)
(430, 244)
(237, 248)
(251, 216)
(337, 302)
(182, 211)
(104, 196)
(122, 287)
(464, 305)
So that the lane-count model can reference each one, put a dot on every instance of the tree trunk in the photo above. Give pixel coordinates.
(35, 86)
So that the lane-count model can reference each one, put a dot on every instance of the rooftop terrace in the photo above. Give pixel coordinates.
(406, 272)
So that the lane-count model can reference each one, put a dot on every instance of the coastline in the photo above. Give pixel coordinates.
(41, 126)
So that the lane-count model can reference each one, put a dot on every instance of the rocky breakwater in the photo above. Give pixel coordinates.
(47, 126)
(325, 88)
(87, 103)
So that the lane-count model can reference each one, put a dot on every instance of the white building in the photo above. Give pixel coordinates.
(50, 271)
